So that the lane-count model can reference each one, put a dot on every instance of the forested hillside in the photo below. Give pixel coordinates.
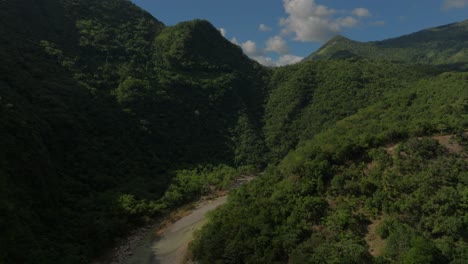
(444, 46)
(372, 166)
(109, 118)
(308, 97)
(100, 106)
(379, 167)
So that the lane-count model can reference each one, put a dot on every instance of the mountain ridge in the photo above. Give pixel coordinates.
(109, 118)
(442, 45)
(89, 115)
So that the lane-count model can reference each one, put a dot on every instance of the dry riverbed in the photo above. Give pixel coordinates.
(165, 242)
(170, 245)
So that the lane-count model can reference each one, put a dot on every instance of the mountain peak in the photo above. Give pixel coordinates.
(443, 45)
(192, 44)
(329, 47)
(339, 37)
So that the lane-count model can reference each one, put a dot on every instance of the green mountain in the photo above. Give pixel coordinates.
(368, 164)
(109, 118)
(374, 187)
(445, 46)
(309, 97)
(100, 101)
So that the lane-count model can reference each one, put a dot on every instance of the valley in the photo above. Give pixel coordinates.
(110, 120)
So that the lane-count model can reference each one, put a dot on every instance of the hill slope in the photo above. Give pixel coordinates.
(316, 205)
(353, 136)
(445, 45)
(306, 98)
(108, 118)
(91, 116)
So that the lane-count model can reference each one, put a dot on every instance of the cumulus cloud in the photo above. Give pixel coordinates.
(309, 21)
(306, 9)
(283, 60)
(274, 44)
(234, 40)
(449, 4)
(361, 12)
(347, 21)
(223, 31)
(311, 29)
(263, 27)
(250, 49)
(277, 44)
(288, 59)
(265, 61)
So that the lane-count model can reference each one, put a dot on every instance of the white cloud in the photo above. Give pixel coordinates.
(223, 31)
(283, 60)
(250, 49)
(449, 4)
(277, 44)
(347, 21)
(234, 40)
(263, 27)
(306, 9)
(265, 61)
(309, 21)
(288, 59)
(309, 29)
(361, 12)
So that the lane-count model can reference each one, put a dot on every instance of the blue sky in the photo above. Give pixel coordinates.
(280, 32)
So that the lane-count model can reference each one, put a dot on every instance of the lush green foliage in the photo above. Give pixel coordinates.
(186, 185)
(320, 214)
(311, 96)
(315, 206)
(90, 119)
(109, 118)
(445, 46)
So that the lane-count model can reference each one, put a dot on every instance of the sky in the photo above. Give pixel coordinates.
(281, 32)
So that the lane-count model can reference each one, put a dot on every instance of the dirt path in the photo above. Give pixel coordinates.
(449, 143)
(375, 242)
(171, 245)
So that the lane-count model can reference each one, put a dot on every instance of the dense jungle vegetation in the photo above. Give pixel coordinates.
(109, 118)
